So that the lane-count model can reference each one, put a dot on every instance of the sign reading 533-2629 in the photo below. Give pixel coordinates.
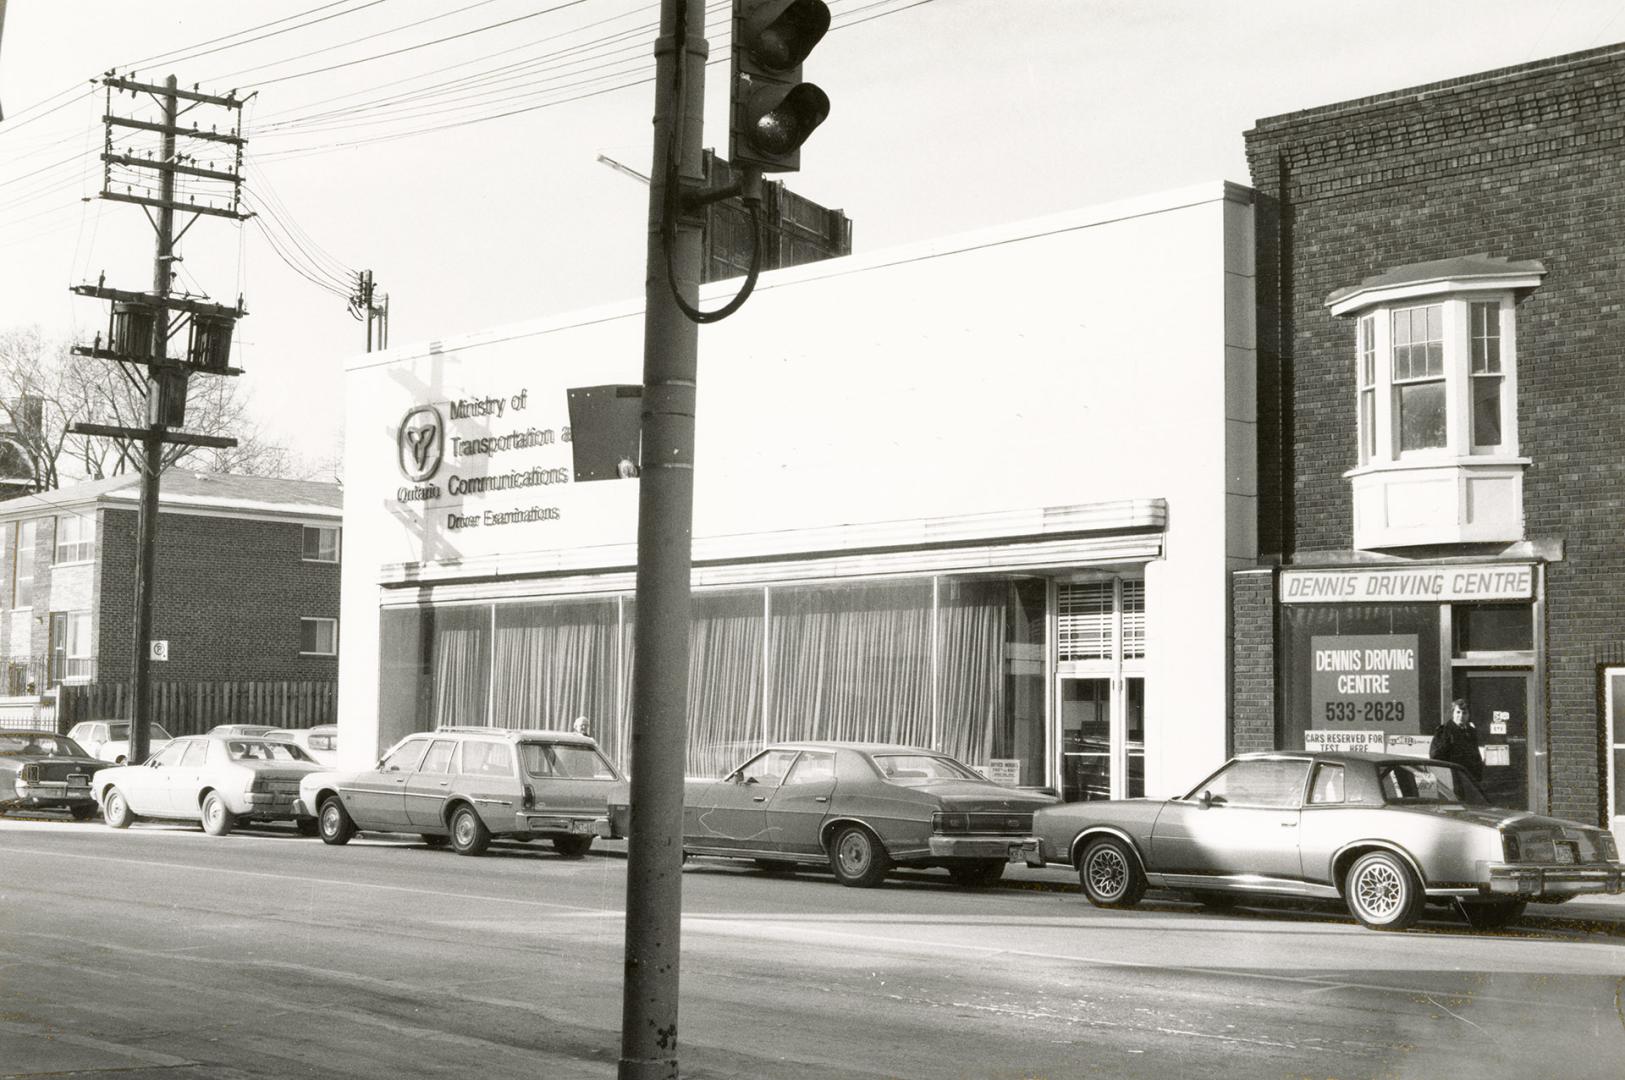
(1360, 680)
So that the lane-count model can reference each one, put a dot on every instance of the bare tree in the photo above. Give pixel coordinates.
(42, 378)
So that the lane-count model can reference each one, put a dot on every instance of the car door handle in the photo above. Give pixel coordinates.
(1289, 824)
(445, 783)
(821, 798)
(758, 798)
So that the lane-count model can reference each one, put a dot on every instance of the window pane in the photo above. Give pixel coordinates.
(1261, 783)
(1421, 416)
(1486, 322)
(1368, 425)
(321, 543)
(317, 635)
(1486, 410)
(1328, 786)
(1492, 628)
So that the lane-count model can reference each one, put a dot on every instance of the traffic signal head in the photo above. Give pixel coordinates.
(772, 110)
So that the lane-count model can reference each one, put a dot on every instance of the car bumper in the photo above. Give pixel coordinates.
(1520, 879)
(541, 823)
(1003, 848)
(48, 793)
(1031, 853)
(271, 806)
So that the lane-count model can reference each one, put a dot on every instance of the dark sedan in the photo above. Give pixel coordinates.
(1384, 833)
(861, 809)
(40, 770)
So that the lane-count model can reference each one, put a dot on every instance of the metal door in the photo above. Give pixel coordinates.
(797, 810)
(1498, 706)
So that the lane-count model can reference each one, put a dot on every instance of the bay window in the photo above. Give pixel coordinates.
(1436, 401)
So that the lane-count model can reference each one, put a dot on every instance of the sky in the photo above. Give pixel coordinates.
(376, 141)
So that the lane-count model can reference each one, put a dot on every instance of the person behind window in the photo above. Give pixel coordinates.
(582, 727)
(1456, 741)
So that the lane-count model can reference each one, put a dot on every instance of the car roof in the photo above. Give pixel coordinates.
(515, 734)
(864, 747)
(1336, 755)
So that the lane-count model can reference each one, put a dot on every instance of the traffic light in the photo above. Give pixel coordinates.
(772, 111)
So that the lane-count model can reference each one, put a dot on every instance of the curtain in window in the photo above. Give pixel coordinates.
(460, 660)
(724, 680)
(852, 662)
(555, 661)
(970, 676)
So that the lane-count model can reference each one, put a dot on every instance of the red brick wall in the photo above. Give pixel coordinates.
(1525, 163)
(229, 597)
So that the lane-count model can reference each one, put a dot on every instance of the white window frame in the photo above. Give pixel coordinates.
(1381, 449)
(78, 646)
(319, 529)
(333, 631)
(81, 547)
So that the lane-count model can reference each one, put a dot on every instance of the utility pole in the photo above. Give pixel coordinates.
(139, 331)
(366, 303)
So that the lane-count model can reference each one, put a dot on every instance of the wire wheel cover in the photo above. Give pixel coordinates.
(1108, 875)
(1379, 890)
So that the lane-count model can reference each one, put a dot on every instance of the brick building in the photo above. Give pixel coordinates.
(246, 583)
(1441, 481)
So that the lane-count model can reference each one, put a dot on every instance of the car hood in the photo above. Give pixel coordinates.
(970, 795)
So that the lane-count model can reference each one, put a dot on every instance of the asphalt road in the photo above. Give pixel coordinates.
(163, 953)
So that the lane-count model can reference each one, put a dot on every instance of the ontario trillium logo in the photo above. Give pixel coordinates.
(420, 443)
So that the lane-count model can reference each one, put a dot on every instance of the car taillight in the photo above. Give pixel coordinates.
(31, 774)
(949, 823)
(529, 800)
(1606, 845)
(1510, 848)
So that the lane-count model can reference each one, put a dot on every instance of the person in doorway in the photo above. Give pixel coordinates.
(1456, 741)
(582, 726)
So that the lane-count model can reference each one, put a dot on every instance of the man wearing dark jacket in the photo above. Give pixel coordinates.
(1457, 742)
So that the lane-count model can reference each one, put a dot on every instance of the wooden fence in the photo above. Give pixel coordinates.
(189, 708)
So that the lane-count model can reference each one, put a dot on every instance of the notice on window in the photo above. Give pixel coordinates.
(1362, 681)
(1500, 754)
(1006, 771)
(1344, 741)
(1410, 745)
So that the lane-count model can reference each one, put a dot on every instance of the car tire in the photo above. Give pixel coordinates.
(573, 847)
(977, 875)
(435, 840)
(306, 826)
(1382, 892)
(217, 817)
(83, 813)
(858, 858)
(334, 823)
(1492, 914)
(115, 810)
(469, 836)
(1110, 874)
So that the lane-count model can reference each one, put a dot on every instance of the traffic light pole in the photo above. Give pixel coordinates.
(654, 893)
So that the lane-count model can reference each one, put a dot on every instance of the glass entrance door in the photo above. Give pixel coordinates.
(1102, 737)
(1615, 704)
(1498, 706)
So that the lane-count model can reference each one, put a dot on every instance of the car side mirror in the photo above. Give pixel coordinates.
(747, 779)
(1205, 800)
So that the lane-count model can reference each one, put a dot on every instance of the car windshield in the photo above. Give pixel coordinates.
(29, 745)
(1428, 782)
(565, 761)
(904, 768)
(122, 731)
(264, 750)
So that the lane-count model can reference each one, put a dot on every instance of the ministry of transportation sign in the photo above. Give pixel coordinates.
(1418, 584)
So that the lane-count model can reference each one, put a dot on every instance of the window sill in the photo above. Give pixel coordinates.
(323, 655)
(1454, 500)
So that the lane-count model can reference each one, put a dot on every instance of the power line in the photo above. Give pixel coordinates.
(171, 58)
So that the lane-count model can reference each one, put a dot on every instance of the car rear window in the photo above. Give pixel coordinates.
(565, 761)
(1428, 783)
(263, 750)
(29, 745)
(901, 768)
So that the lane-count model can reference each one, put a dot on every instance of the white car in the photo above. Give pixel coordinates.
(110, 739)
(218, 780)
(320, 742)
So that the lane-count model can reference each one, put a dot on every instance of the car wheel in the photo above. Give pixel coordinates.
(334, 822)
(115, 811)
(1492, 914)
(469, 836)
(857, 858)
(978, 874)
(1110, 874)
(306, 826)
(83, 813)
(217, 817)
(435, 840)
(1382, 892)
(1214, 900)
(573, 847)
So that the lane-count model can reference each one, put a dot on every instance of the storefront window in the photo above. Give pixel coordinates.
(1357, 668)
(1018, 733)
(1480, 628)
(553, 661)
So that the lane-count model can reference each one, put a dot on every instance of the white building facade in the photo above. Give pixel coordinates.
(981, 495)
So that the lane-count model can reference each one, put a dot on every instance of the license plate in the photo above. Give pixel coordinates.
(581, 826)
(1565, 853)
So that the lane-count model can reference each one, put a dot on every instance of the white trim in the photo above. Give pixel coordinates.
(1414, 290)
(1613, 747)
